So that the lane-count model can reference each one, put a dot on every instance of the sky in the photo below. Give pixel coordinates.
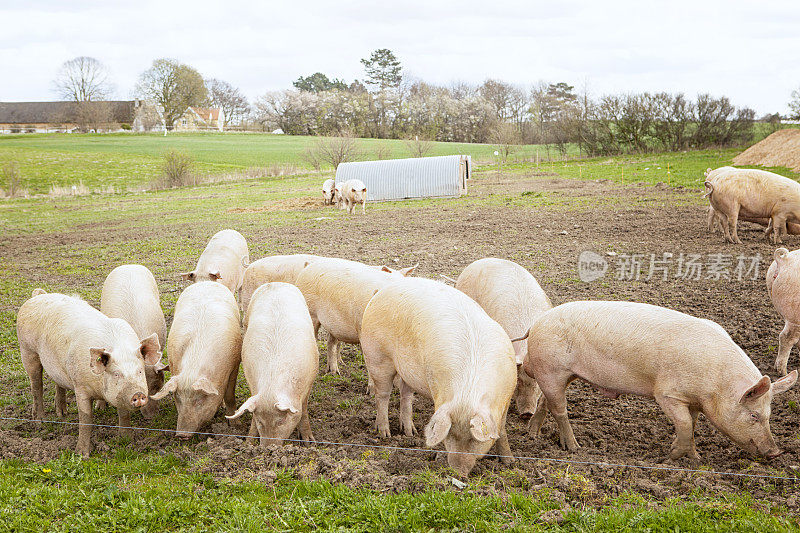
(746, 50)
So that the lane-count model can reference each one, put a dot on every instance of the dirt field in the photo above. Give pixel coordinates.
(548, 239)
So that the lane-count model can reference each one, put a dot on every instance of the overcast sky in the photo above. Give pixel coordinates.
(747, 50)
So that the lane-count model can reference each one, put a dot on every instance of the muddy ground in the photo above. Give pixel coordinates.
(547, 240)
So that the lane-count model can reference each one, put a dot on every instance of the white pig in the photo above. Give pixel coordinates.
(444, 346)
(204, 350)
(689, 365)
(754, 194)
(354, 192)
(223, 259)
(337, 195)
(83, 350)
(284, 268)
(280, 361)
(130, 292)
(328, 193)
(783, 286)
(337, 291)
(511, 296)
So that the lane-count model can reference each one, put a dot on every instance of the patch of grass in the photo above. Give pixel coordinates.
(157, 493)
(124, 160)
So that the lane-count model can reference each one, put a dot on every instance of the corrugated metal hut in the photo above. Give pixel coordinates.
(398, 179)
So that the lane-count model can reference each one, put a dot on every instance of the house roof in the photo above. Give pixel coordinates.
(207, 114)
(59, 112)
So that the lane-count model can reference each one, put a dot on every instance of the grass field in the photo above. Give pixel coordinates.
(69, 244)
(130, 160)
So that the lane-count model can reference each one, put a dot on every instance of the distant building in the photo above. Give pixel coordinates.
(199, 119)
(68, 117)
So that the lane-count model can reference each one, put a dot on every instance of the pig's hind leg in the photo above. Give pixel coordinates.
(554, 385)
(786, 341)
(684, 420)
(406, 410)
(382, 371)
(33, 366)
(230, 393)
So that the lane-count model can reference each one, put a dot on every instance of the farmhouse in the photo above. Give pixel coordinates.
(68, 117)
(198, 118)
(397, 179)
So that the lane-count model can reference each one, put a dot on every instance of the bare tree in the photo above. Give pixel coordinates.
(507, 137)
(334, 150)
(794, 104)
(12, 179)
(418, 145)
(172, 85)
(83, 79)
(233, 103)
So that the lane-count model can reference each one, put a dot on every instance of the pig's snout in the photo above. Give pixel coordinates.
(183, 436)
(139, 400)
(773, 453)
(525, 416)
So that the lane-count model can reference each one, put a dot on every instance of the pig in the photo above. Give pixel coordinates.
(82, 349)
(688, 365)
(283, 268)
(328, 192)
(754, 194)
(513, 298)
(354, 192)
(783, 283)
(442, 345)
(337, 195)
(204, 349)
(223, 260)
(130, 292)
(714, 219)
(337, 291)
(280, 360)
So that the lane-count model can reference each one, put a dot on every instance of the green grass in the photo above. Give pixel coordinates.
(135, 492)
(676, 169)
(125, 159)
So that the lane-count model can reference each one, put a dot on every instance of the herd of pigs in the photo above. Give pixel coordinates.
(345, 194)
(471, 348)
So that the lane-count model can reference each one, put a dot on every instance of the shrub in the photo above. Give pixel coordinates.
(11, 179)
(125, 126)
(177, 170)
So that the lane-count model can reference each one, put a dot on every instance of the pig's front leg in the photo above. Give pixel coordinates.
(786, 340)
(333, 354)
(684, 420)
(230, 393)
(251, 436)
(124, 429)
(84, 402)
(305, 424)
(502, 446)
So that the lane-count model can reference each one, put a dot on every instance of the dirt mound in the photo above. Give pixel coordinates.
(781, 149)
(290, 204)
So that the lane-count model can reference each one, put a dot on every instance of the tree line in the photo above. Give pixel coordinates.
(385, 104)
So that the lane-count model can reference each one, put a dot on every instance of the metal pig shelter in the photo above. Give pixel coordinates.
(398, 179)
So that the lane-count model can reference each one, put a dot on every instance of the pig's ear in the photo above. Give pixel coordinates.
(780, 254)
(99, 359)
(169, 387)
(438, 428)
(384, 268)
(215, 275)
(756, 391)
(187, 276)
(160, 367)
(204, 385)
(286, 405)
(706, 172)
(150, 349)
(248, 405)
(37, 291)
(483, 428)
(785, 383)
(408, 270)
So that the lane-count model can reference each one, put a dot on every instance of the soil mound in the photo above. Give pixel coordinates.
(781, 149)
